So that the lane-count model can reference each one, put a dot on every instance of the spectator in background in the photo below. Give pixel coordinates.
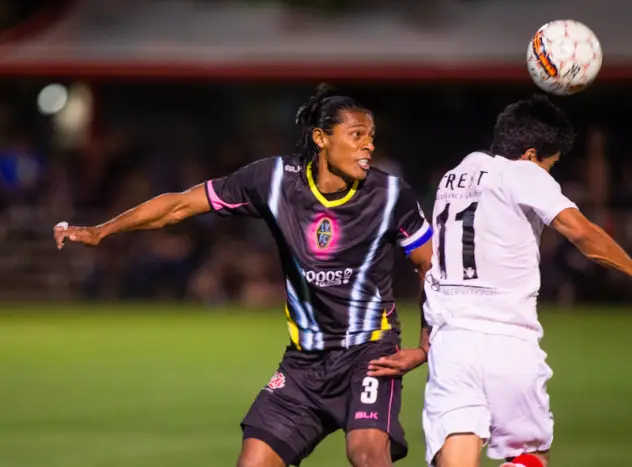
(239, 272)
(160, 266)
(179, 135)
(21, 171)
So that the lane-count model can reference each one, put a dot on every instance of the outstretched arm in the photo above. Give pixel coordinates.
(231, 195)
(534, 188)
(594, 243)
(165, 209)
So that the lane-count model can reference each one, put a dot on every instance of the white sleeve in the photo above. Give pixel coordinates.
(533, 187)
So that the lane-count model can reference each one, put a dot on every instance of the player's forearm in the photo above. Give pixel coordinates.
(599, 247)
(426, 329)
(156, 213)
(424, 335)
(424, 338)
(422, 259)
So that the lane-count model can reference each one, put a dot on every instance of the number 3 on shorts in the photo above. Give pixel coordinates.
(369, 395)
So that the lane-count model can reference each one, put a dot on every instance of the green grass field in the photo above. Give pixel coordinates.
(167, 386)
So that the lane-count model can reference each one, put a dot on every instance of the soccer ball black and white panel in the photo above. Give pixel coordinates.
(564, 57)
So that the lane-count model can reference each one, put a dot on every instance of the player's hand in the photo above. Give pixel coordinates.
(87, 235)
(399, 363)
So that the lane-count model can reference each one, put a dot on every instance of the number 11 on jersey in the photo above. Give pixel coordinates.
(466, 217)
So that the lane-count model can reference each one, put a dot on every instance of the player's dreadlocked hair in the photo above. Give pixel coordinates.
(323, 110)
(536, 123)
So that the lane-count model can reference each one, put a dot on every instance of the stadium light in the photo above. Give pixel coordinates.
(52, 98)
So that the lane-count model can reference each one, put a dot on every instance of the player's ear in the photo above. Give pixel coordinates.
(530, 155)
(319, 137)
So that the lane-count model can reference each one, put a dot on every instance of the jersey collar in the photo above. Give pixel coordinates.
(319, 196)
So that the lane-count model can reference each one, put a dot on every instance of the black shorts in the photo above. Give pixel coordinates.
(314, 394)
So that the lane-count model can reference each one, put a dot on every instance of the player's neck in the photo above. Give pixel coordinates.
(327, 181)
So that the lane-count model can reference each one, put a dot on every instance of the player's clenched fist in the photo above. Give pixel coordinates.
(86, 235)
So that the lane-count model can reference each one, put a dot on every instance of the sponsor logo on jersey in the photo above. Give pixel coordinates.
(324, 232)
(366, 416)
(293, 168)
(459, 289)
(328, 278)
(277, 381)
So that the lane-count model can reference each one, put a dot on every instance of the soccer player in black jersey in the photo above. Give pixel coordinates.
(336, 222)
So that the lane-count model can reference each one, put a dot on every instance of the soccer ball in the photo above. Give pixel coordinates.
(564, 57)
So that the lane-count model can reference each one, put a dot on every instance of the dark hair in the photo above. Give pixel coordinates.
(322, 110)
(535, 123)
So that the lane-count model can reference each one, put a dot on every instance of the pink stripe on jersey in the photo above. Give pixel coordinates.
(404, 232)
(390, 402)
(216, 202)
(392, 310)
(390, 406)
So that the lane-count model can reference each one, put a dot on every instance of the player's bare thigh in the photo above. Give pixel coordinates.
(464, 450)
(460, 450)
(256, 453)
(369, 447)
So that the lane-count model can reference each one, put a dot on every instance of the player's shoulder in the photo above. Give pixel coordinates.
(526, 172)
(454, 178)
(474, 160)
(525, 183)
(270, 164)
(290, 163)
(381, 179)
(265, 163)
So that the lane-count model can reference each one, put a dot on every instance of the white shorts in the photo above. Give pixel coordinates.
(490, 385)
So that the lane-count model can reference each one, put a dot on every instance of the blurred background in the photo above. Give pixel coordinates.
(106, 103)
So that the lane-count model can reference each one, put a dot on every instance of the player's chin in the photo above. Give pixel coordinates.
(357, 172)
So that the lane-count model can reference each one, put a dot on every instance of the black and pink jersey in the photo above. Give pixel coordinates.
(336, 250)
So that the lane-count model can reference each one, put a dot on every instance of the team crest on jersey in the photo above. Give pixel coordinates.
(324, 233)
(277, 381)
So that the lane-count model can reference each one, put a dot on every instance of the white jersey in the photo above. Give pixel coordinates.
(488, 217)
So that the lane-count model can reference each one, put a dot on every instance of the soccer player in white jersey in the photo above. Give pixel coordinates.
(487, 373)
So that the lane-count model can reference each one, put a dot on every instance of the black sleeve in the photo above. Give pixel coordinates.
(412, 228)
(242, 192)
